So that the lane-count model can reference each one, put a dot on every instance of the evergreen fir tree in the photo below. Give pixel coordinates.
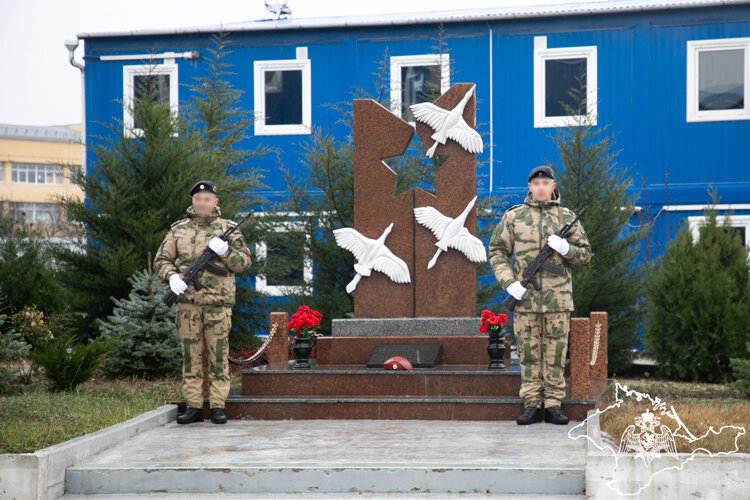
(698, 297)
(148, 344)
(589, 176)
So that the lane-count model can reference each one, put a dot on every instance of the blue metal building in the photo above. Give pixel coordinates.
(671, 78)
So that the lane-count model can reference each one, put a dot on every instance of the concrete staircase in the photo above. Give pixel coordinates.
(343, 459)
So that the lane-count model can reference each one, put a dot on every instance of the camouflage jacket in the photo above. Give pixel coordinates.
(185, 241)
(522, 232)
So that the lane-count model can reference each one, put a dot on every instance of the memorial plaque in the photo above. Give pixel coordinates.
(419, 355)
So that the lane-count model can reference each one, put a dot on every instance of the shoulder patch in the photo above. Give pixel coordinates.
(181, 221)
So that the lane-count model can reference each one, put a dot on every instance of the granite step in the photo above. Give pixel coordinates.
(455, 408)
(351, 380)
(332, 459)
(456, 349)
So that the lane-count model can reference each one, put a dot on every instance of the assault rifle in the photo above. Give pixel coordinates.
(539, 263)
(202, 262)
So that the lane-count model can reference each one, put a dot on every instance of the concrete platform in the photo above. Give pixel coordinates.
(338, 457)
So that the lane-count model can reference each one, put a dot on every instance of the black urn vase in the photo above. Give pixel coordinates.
(496, 350)
(302, 347)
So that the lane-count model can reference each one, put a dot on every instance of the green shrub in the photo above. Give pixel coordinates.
(67, 362)
(12, 349)
(741, 369)
(698, 299)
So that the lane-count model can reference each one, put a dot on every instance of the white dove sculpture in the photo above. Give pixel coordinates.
(371, 254)
(449, 124)
(451, 233)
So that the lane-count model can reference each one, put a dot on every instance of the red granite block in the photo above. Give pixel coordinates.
(379, 134)
(448, 289)
(456, 350)
(278, 350)
(580, 387)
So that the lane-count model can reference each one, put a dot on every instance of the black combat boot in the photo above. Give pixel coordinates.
(191, 415)
(555, 415)
(530, 415)
(217, 416)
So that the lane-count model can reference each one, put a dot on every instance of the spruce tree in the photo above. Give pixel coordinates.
(589, 176)
(148, 345)
(698, 298)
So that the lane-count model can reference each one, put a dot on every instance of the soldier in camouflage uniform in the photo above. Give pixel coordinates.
(541, 319)
(206, 312)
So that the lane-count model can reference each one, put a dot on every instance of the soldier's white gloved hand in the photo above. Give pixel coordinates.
(218, 245)
(516, 289)
(177, 285)
(559, 245)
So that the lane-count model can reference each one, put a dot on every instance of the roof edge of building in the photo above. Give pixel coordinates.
(447, 16)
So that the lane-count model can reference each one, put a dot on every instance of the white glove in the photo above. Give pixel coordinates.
(177, 285)
(559, 245)
(517, 290)
(218, 246)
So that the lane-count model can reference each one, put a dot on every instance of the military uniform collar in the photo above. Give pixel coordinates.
(203, 219)
(555, 200)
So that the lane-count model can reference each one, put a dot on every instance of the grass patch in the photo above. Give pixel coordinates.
(698, 406)
(39, 418)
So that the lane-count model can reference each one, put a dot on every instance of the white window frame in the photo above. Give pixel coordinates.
(695, 222)
(694, 48)
(259, 69)
(45, 166)
(543, 54)
(398, 62)
(261, 282)
(34, 208)
(129, 72)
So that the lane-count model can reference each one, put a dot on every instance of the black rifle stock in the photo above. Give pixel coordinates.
(539, 263)
(202, 262)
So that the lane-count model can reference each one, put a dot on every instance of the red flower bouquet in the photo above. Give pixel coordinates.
(303, 321)
(493, 324)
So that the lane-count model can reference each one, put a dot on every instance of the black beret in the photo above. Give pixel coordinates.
(542, 171)
(203, 186)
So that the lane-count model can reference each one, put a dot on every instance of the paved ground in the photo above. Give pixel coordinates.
(337, 459)
(348, 443)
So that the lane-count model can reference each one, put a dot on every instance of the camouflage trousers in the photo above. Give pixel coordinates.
(542, 342)
(194, 323)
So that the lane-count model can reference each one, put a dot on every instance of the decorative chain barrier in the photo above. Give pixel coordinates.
(258, 353)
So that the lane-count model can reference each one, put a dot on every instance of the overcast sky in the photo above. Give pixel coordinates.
(39, 87)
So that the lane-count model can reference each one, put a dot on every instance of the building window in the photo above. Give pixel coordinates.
(287, 269)
(35, 173)
(282, 97)
(718, 73)
(557, 74)
(34, 213)
(139, 81)
(415, 79)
